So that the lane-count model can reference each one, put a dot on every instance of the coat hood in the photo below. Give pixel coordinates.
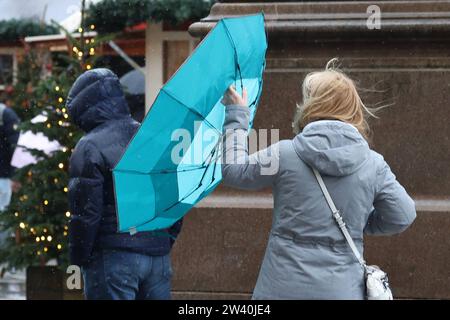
(332, 147)
(96, 97)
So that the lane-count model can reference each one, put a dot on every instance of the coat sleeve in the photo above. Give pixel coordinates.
(11, 120)
(394, 210)
(86, 201)
(239, 169)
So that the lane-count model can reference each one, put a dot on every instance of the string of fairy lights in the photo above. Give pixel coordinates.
(79, 53)
(43, 236)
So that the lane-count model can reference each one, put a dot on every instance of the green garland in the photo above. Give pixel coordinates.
(15, 29)
(116, 15)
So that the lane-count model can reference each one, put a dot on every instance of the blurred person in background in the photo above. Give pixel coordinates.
(9, 135)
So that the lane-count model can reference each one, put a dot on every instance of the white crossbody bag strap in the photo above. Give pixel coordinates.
(337, 216)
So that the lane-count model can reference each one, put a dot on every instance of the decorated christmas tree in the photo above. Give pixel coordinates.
(38, 214)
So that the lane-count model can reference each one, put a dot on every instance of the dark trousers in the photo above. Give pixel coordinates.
(123, 275)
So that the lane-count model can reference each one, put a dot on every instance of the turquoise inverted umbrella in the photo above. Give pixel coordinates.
(173, 161)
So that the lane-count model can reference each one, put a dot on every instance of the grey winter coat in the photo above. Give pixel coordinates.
(307, 256)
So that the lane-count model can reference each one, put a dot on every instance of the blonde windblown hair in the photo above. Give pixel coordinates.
(331, 95)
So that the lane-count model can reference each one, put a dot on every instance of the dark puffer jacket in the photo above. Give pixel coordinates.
(9, 135)
(97, 105)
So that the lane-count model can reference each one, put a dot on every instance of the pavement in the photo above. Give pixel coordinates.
(12, 285)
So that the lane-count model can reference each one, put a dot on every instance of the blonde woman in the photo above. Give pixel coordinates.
(307, 257)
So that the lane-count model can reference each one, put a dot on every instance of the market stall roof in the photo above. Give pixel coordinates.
(57, 37)
(47, 10)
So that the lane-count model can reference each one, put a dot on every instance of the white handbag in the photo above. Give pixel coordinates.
(377, 283)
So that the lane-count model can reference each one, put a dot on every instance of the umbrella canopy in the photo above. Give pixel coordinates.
(173, 160)
(133, 82)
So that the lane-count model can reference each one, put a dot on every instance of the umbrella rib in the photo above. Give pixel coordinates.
(215, 163)
(179, 201)
(163, 171)
(191, 109)
(238, 66)
(194, 189)
(214, 172)
(254, 102)
(201, 180)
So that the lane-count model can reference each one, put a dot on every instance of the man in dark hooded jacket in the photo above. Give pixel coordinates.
(114, 265)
